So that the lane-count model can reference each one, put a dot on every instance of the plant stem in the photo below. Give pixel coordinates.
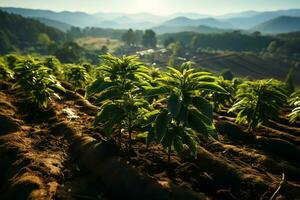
(129, 134)
(129, 141)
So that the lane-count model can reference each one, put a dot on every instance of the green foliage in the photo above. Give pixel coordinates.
(43, 39)
(227, 74)
(5, 72)
(37, 82)
(129, 38)
(185, 113)
(21, 33)
(69, 52)
(294, 101)
(224, 99)
(12, 60)
(258, 101)
(54, 64)
(149, 39)
(289, 82)
(120, 94)
(272, 47)
(177, 51)
(168, 41)
(76, 75)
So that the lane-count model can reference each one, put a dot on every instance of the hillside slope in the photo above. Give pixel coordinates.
(73, 18)
(184, 21)
(248, 65)
(261, 17)
(19, 32)
(282, 24)
(197, 29)
(53, 23)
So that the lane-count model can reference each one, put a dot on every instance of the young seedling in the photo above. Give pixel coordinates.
(186, 113)
(294, 101)
(37, 82)
(258, 101)
(120, 95)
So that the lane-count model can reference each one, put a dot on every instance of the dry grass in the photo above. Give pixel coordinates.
(96, 43)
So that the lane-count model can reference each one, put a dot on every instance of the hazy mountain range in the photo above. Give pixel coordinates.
(270, 22)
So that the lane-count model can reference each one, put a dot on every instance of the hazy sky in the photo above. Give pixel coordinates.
(161, 7)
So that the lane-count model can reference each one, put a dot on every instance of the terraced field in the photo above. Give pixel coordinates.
(58, 154)
(249, 65)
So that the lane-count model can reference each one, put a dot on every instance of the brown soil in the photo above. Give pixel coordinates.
(57, 154)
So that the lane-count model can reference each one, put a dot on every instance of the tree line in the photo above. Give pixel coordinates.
(19, 33)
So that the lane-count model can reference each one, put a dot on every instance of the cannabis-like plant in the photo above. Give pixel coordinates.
(5, 71)
(186, 113)
(223, 99)
(54, 64)
(37, 82)
(258, 101)
(76, 75)
(120, 95)
(294, 101)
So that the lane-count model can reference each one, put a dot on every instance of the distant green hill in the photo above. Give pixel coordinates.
(17, 32)
(53, 23)
(246, 22)
(282, 24)
(249, 65)
(198, 29)
(80, 19)
(184, 21)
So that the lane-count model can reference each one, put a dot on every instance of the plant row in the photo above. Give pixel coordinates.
(172, 106)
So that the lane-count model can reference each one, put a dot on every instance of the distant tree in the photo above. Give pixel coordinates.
(169, 41)
(256, 34)
(272, 48)
(104, 50)
(129, 38)
(68, 52)
(74, 32)
(149, 39)
(227, 74)
(138, 36)
(194, 42)
(289, 81)
(177, 51)
(5, 45)
(44, 39)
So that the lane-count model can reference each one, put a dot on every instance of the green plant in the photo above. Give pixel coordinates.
(54, 64)
(120, 95)
(37, 82)
(258, 101)
(295, 102)
(5, 72)
(223, 99)
(76, 75)
(289, 82)
(185, 113)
